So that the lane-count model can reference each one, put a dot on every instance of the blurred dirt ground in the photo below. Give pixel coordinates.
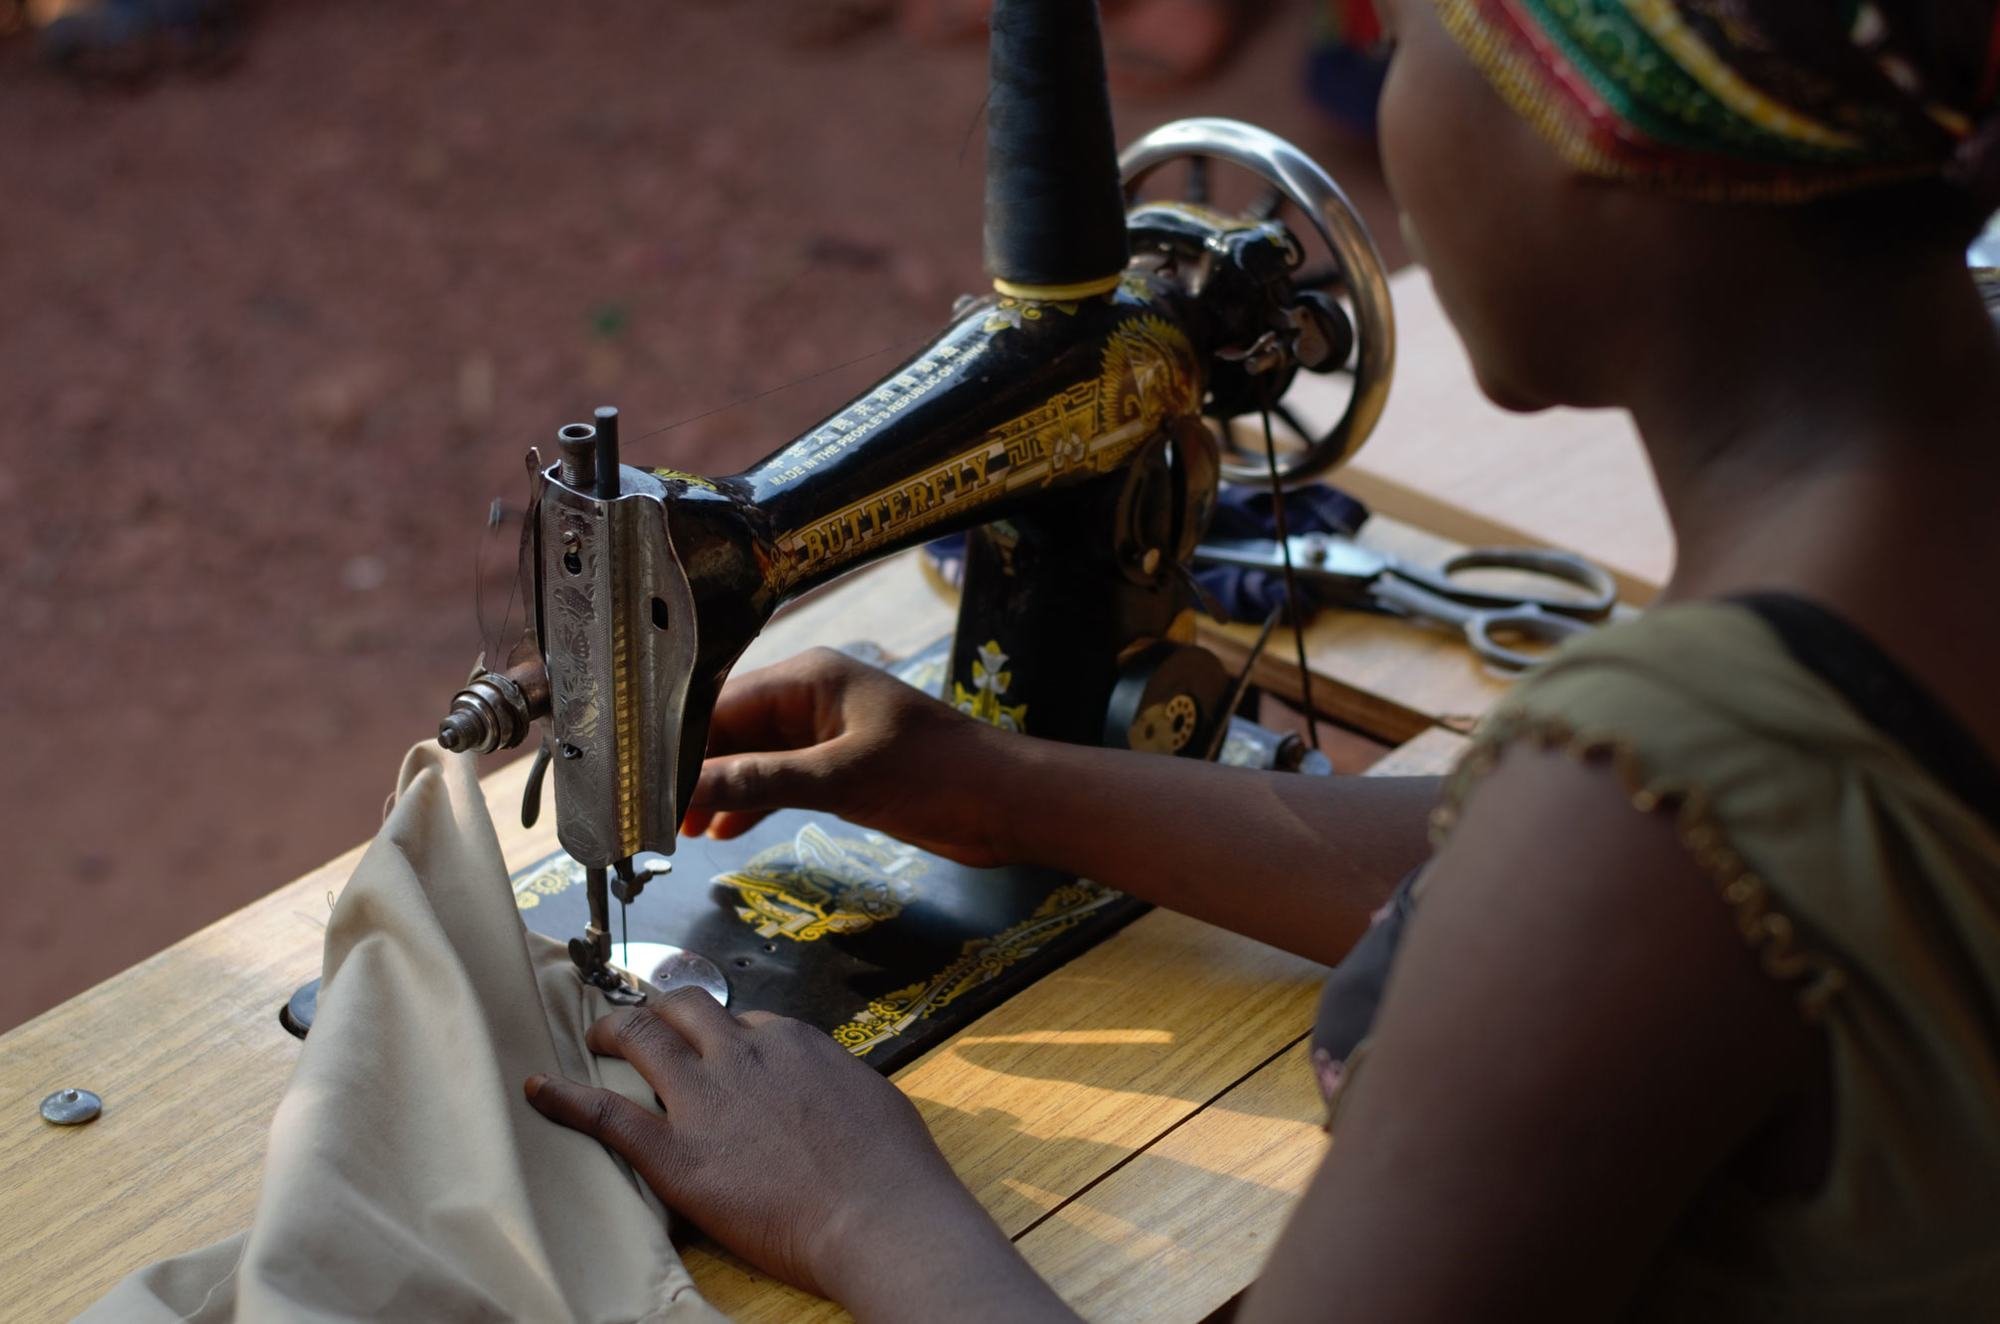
(270, 343)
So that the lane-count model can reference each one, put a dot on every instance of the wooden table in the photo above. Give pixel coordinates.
(1139, 1120)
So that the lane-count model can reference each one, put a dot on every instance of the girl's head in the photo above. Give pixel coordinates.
(1567, 167)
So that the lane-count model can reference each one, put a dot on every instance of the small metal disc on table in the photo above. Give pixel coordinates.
(71, 1107)
(667, 968)
(298, 1012)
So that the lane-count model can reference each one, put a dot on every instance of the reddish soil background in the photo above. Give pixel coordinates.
(271, 342)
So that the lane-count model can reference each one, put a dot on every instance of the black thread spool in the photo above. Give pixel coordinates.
(1055, 210)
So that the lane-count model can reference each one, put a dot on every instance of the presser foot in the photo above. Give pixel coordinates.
(633, 971)
(591, 954)
(627, 972)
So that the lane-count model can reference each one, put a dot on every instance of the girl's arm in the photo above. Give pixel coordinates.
(1575, 1040)
(1299, 862)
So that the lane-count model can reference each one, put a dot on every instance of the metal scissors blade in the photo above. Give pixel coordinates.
(1341, 571)
(1335, 569)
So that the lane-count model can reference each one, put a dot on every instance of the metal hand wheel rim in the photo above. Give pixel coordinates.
(1310, 189)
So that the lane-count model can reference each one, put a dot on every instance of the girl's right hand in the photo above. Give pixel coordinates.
(823, 731)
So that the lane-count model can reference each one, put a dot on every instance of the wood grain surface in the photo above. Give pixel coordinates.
(1186, 1224)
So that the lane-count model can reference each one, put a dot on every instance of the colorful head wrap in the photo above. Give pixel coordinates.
(1752, 99)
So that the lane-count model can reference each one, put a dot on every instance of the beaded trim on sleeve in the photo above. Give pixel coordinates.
(1768, 930)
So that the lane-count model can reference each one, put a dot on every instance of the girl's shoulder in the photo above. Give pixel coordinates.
(1766, 697)
(1816, 785)
(1849, 826)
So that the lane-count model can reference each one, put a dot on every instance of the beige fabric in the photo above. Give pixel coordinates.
(1867, 887)
(407, 1178)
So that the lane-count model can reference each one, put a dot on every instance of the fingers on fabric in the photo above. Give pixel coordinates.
(604, 1115)
(667, 1032)
(697, 1018)
(643, 1039)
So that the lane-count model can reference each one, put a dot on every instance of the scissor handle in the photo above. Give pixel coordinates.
(1600, 591)
(1527, 621)
(1481, 626)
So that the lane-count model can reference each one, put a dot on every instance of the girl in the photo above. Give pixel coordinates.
(1695, 1009)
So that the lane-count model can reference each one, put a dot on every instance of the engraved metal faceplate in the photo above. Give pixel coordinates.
(618, 632)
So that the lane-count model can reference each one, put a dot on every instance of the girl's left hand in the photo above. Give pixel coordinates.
(781, 1145)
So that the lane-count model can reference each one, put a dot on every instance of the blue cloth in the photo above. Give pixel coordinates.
(1243, 512)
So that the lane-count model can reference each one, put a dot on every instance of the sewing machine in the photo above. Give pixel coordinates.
(1072, 422)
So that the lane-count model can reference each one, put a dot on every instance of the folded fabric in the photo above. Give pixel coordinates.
(407, 1178)
(1247, 512)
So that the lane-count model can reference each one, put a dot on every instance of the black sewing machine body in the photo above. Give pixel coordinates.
(1065, 435)
(1063, 423)
(1068, 434)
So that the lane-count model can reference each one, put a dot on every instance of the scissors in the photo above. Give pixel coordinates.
(1341, 572)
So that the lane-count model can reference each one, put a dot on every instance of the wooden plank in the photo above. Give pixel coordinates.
(1188, 1223)
(186, 1050)
(1446, 459)
(1431, 754)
